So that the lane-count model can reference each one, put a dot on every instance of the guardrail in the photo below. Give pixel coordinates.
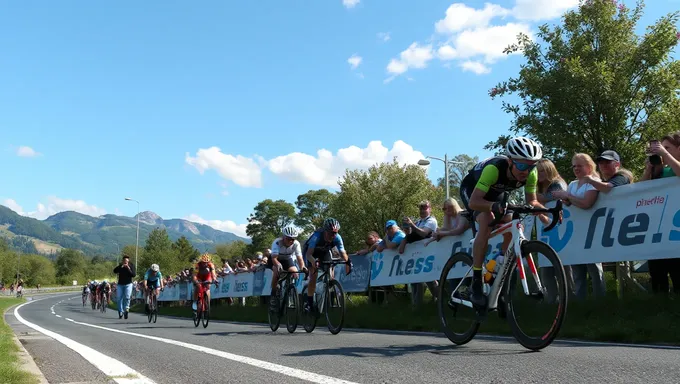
(634, 222)
(33, 291)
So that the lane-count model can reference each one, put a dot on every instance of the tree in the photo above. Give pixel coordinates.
(70, 265)
(158, 249)
(265, 224)
(594, 84)
(232, 251)
(185, 250)
(37, 269)
(387, 191)
(313, 208)
(457, 171)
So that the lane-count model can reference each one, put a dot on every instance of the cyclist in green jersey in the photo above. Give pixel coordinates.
(485, 191)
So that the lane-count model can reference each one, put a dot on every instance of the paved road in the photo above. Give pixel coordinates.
(173, 351)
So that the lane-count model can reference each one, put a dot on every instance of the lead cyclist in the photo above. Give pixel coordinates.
(485, 191)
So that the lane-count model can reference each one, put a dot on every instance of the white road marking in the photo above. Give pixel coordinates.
(293, 372)
(116, 370)
(57, 315)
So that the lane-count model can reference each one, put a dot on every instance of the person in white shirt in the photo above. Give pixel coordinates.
(283, 250)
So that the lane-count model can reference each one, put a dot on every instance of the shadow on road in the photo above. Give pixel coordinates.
(401, 350)
(245, 333)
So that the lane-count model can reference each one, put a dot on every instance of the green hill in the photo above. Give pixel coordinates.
(100, 235)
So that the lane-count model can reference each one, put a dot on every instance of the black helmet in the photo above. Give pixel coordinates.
(331, 225)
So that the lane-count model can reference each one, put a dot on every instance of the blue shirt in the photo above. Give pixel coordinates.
(151, 276)
(397, 238)
(319, 243)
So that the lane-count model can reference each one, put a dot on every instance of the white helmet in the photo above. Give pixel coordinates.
(523, 148)
(154, 267)
(290, 231)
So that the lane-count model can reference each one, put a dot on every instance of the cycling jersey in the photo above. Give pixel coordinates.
(204, 270)
(152, 276)
(284, 252)
(320, 245)
(491, 176)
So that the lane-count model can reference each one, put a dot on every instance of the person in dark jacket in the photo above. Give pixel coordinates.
(125, 271)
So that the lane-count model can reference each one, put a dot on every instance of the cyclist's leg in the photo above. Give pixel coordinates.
(273, 302)
(195, 293)
(311, 287)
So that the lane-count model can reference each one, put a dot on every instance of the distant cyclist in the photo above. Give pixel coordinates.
(153, 279)
(104, 292)
(86, 292)
(283, 250)
(485, 191)
(204, 272)
(318, 247)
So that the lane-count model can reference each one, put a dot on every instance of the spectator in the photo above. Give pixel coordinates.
(125, 271)
(583, 195)
(421, 229)
(393, 236)
(454, 222)
(613, 175)
(372, 241)
(667, 153)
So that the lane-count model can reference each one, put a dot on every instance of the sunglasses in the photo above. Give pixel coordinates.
(523, 166)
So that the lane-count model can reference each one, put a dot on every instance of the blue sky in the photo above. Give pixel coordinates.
(201, 112)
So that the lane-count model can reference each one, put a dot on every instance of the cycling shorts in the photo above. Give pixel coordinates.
(204, 278)
(320, 255)
(286, 262)
(153, 284)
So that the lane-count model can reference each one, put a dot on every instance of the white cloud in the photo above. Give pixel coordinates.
(415, 56)
(55, 205)
(476, 67)
(350, 3)
(534, 10)
(354, 61)
(384, 36)
(325, 169)
(24, 151)
(243, 171)
(459, 17)
(488, 42)
(446, 53)
(226, 225)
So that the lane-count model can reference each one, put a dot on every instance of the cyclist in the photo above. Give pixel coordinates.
(281, 257)
(485, 191)
(104, 288)
(93, 292)
(86, 292)
(153, 279)
(204, 272)
(319, 246)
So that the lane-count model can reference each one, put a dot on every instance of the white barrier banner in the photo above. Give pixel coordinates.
(640, 221)
(420, 263)
(236, 285)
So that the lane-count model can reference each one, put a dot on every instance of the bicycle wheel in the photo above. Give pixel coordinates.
(335, 298)
(308, 319)
(275, 316)
(150, 304)
(206, 311)
(516, 306)
(199, 311)
(155, 308)
(291, 299)
(464, 319)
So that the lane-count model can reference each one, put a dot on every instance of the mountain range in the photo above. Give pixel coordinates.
(103, 235)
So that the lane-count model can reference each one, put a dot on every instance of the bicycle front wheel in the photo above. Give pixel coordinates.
(198, 312)
(155, 308)
(308, 319)
(459, 322)
(536, 319)
(292, 308)
(275, 316)
(335, 302)
(206, 311)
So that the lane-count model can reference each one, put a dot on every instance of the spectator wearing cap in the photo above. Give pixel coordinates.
(393, 236)
(613, 175)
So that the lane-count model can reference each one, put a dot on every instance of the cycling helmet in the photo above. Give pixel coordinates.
(206, 258)
(331, 225)
(523, 148)
(154, 267)
(104, 281)
(290, 231)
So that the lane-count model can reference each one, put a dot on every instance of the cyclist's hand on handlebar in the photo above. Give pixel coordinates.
(499, 208)
(348, 267)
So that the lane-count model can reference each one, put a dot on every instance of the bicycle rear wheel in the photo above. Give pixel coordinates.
(522, 308)
(335, 299)
(292, 308)
(206, 311)
(308, 319)
(464, 323)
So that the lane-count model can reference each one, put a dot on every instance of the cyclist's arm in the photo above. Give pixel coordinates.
(160, 279)
(298, 254)
(213, 272)
(488, 178)
(530, 189)
(341, 247)
(311, 246)
(275, 254)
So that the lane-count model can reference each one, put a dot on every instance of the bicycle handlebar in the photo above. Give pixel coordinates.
(528, 209)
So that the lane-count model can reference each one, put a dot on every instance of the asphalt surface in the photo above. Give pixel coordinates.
(354, 356)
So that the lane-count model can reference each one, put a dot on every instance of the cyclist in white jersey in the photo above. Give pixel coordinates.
(283, 250)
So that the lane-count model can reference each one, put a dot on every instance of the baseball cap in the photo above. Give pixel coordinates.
(609, 155)
(390, 223)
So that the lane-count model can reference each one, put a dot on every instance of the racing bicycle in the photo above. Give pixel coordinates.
(499, 292)
(153, 303)
(329, 295)
(104, 300)
(289, 302)
(202, 312)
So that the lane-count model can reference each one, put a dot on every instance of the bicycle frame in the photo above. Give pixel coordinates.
(514, 252)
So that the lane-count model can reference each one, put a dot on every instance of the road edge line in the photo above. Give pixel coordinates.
(26, 362)
(112, 368)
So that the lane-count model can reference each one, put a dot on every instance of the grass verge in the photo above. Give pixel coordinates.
(638, 318)
(10, 372)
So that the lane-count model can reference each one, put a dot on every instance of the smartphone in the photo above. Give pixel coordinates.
(654, 159)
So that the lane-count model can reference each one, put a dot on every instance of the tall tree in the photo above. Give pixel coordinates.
(313, 208)
(266, 222)
(387, 191)
(594, 84)
(158, 249)
(232, 251)
(70, 265)
(185, 249)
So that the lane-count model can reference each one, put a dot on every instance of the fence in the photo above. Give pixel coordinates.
(634, 222)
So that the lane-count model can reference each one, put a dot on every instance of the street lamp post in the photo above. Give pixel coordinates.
(137, 246)
(446, 162)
